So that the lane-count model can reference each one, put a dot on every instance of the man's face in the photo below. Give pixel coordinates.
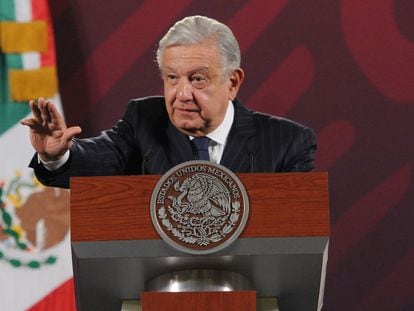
(195, 90)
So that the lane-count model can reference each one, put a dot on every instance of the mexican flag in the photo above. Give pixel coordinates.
(35, 259)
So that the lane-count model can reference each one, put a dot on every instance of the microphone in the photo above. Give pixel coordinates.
(251, 155)
(145, 159)
(194, 150)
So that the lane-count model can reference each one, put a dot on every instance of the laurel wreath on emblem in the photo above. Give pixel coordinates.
(187, 236)
(203, 211)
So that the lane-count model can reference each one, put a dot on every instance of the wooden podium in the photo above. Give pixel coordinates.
(283, 249)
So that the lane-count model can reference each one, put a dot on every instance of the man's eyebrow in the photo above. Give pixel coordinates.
(201, 68)
(167, 68)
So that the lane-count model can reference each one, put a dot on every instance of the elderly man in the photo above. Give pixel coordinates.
(199, 60)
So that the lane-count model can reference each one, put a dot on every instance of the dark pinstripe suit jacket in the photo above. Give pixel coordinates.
(145, 139)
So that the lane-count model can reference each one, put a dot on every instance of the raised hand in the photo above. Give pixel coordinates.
(49, 135)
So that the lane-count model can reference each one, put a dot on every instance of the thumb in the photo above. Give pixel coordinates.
(72, 132)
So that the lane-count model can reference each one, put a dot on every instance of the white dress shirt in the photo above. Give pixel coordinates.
(219, 135)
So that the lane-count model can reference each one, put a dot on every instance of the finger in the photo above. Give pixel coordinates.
(55, 117)
(30, 122)
(44, 111)
(36, 111)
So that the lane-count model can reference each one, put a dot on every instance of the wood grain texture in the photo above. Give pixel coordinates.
(199, 301)
(117, 207)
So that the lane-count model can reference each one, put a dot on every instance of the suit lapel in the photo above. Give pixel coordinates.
(169, 146)
(179, 146)
(240, 145)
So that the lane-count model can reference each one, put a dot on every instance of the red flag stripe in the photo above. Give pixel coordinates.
(62, 299)
(40, 11)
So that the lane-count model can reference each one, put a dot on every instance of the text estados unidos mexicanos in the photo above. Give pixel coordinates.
(233, 187)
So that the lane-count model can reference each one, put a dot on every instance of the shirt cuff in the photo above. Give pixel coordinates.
(54, 165)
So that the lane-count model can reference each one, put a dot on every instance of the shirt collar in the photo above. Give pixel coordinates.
(220, 134)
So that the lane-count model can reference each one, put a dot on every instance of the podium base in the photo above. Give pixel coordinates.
(198, 280)
(262, 304)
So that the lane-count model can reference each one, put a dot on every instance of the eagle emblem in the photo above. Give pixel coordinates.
(199, 207)
(204, 195)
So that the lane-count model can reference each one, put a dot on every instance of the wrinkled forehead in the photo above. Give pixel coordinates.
(200, 55)
(204, 54)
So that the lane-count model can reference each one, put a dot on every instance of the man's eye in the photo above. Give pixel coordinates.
(198, 80)
(171, 78)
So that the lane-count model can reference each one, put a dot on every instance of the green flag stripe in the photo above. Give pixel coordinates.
(4, 92)
(14, 61)
(7, 10)
(10, 111)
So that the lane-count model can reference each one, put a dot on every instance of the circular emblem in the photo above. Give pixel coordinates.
(199, 207)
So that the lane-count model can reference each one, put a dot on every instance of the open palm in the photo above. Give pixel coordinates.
(49, 135)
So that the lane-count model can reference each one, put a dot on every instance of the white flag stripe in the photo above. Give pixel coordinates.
(23, 10)
(23, 287)
(31, 60)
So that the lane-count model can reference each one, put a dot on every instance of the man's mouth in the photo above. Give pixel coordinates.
(187, 109)
(187, 112)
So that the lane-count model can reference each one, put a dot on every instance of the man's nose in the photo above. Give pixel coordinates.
(185, 91)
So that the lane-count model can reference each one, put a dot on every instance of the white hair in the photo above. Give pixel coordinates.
(198, 29)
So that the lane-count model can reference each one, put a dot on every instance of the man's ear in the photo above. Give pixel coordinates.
(235, 80)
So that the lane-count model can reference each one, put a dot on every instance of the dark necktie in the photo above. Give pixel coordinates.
(202, 147)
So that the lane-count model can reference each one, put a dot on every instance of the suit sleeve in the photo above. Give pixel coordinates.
(113, 152)
(301, 152)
